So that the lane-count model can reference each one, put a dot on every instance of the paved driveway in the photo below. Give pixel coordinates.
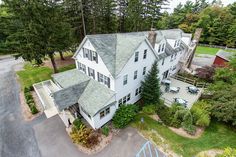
(54, 141)
(16, 136)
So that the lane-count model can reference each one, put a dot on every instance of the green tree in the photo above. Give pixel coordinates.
(41, 30)
(151, 86)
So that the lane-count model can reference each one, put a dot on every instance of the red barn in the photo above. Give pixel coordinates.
(222, 58)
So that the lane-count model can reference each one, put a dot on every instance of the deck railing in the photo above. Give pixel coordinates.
(191, 81)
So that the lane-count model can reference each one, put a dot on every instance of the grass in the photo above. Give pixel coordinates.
(32, 74)
(209, 50)
(216, 136)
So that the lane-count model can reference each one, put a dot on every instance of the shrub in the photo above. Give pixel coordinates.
(77, 123)
(229, 152)
(80, 135)
(165, 114)
(187, 123)
(105, 130)
(178, 118)
(124, 115)
(200, 114)
(149, 109)
(29, 100)
(33, 109)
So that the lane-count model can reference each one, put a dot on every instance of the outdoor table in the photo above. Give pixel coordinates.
(193, 89)
(181, 101)
(166, 81)
(174, 89)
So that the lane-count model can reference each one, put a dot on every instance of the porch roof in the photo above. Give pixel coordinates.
(95, 97)
(70, 78)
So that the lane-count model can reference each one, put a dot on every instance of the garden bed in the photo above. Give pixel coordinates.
(182, 132)
(90, 141)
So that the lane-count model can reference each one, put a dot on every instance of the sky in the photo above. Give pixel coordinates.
(174, 3)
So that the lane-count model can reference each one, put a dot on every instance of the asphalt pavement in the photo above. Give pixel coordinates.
(17, 137)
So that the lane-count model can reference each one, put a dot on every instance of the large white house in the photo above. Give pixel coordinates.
(109, 71)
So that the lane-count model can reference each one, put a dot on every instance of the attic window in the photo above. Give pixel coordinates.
(175, 43)
(159, 48)
(163, 46)
(94, 56)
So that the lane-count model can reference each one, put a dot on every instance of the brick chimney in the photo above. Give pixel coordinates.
(152, 37)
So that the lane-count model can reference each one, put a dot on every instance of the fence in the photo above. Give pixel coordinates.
(191, 81)
(217, 46)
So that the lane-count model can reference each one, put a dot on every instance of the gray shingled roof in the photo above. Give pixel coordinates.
(225, 55)
(69, 96)
(78, 87)
(95, 97)
(115, 49)
(69, 78)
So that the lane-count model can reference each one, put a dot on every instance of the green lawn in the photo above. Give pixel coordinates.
(209, 50)
(217, 135)
(31, 74)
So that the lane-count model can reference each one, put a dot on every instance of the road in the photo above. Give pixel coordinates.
(17, 137)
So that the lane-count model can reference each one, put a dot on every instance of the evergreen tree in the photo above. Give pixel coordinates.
(41, 30)
(151, 86)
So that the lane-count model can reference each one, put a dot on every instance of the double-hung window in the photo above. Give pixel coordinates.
(124, 99)
(145, 54)
(125, 80)
(138, 91)
(135, 74)
(136, 56)
(104, 112)
(82, 67)
(144, 70)
(103, 79)
(91, 72)
(159, 48)
(163, 46)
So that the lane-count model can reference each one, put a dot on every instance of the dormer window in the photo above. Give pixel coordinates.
(163, 46)
(175, 43)
(136, 57)
(159, 48)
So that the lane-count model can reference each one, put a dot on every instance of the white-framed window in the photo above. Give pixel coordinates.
(125, 79)
(136, 56)
(175, 43)
(124, 100)
(159, 48)
(91, 72)
(128, 97)
(163, 46)
(82, 67)
(90, 54)
(144, 70)
(171, 59)
(103, 79)
(138, 91)
(135, 74)
(104, 112)
(163, 61)
(145, 54)
(94, 56)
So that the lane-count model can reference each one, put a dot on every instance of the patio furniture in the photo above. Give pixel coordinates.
(166, 81)
(193, 90)
(181, 101)
(174, 89)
